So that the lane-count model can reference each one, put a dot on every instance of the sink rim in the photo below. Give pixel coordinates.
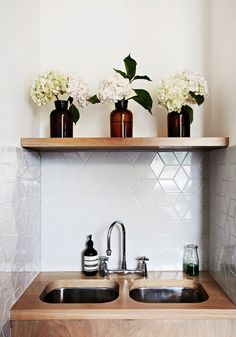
(167, 284)
(157, 283)
(79, 284)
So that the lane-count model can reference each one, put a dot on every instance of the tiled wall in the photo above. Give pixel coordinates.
(222, 243)
(162, 198)
(19, 226)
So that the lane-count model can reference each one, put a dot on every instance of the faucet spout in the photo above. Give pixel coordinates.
(123, 263)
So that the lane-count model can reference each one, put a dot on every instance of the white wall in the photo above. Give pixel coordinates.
(19, 171)
(19, 226)
(19, 64)
(222, 68)
(162, 198)
(91, 37)
(222, 221)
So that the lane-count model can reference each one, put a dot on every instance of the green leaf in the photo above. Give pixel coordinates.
(75, 113)
(188, 109)
(93, 99)
(143, 98)
(144, 77)
(122, 73)
(198, 98)
(130, 66)
(70, 100)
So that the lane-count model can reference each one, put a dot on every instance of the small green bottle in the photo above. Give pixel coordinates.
(192, 263)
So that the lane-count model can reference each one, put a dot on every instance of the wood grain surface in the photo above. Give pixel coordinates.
(159, 143)
(124, 328)
(30, 307)
(123, 317)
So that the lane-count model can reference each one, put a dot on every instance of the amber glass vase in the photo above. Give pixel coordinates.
(61, 122)
(121, 120)
(185, 124)
(173, 124)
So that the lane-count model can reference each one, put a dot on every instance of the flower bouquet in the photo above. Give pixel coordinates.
(178, 92)
(118, 89)
(53, 83)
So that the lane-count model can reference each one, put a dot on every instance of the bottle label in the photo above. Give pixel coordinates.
(91, 263)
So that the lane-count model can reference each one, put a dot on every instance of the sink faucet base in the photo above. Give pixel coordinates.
(104, 271)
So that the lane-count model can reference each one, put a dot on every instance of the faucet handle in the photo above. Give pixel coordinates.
(103, 266)
(143, 258)
(103, 258)
(143, 266)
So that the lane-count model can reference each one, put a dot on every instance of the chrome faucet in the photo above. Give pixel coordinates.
(123, 263)
(104, 271)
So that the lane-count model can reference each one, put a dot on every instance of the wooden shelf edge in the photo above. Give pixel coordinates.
(91, 144)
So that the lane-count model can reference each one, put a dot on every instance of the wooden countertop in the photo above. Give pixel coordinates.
(30, 307)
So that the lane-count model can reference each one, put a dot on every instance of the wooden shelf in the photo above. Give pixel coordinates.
(134, 144)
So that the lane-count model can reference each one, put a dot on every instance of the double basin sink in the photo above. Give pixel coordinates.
(102, 291)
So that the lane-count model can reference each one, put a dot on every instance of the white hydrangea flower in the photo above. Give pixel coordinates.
(114, 89)
(174, 92)
(78, 90)
(196, 82)
(50, 84)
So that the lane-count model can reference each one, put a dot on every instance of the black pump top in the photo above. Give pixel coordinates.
(90, 242)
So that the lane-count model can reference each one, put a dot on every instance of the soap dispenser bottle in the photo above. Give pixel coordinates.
(90, 259)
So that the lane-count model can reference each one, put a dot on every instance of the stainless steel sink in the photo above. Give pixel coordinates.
(192, 293)
(80, 292)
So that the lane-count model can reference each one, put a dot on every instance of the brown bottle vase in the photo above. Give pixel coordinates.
(173, 124)
(185, 124)
(121, 120)
(61, 122)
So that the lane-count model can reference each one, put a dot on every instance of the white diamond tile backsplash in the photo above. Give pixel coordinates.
(19, 226)
(162, 198)
(222, 243)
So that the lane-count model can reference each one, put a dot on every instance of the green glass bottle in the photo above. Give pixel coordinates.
(192, 263)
